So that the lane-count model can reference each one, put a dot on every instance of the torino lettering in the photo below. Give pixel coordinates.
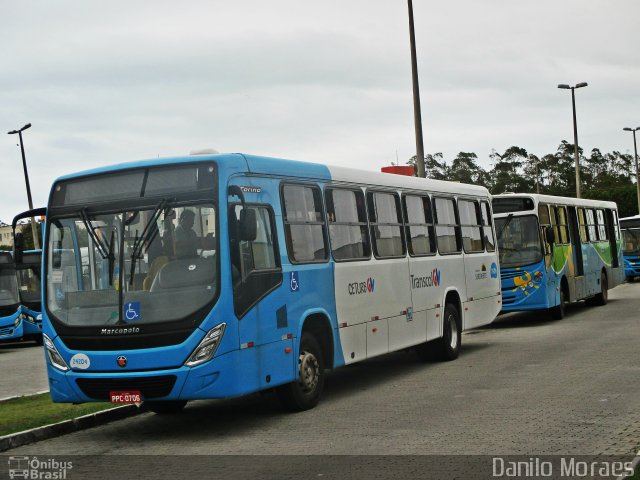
(358, 288)
(432, 280)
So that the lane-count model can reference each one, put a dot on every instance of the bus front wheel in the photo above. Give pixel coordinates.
(166, 408)
(304, 392)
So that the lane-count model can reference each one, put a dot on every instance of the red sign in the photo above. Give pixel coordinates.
(133, 396)
(399, 170)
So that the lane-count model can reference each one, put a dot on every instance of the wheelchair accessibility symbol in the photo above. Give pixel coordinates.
(294, 283)
(132, 312)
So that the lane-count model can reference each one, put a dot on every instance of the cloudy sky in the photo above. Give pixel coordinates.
(107, 82)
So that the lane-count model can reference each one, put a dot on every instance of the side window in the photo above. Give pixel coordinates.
(255, 264)
(386, 225)
(543, 214)
(304, 224)
(419, 229)
(553, 212)
(446, 226)
(602, 229)
(347, 218)
(582, 221)
(616, 227)
(562, 225)
(591, 225)
(258, 253)
(470, 225)
(545, 223)
(487, 228)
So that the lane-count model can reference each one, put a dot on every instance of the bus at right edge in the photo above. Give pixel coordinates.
(556, 250)
(630, 227)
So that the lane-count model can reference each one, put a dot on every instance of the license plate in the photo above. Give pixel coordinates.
(133, 396)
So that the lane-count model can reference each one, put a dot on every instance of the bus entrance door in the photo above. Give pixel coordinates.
(576, 246)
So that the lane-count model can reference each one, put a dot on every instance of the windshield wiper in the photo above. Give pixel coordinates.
(506, 224)
(105, 251)
(148, 235)
(102, 248)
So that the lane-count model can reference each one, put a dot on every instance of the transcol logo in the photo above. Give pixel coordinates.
(358, 288)
(425, 282)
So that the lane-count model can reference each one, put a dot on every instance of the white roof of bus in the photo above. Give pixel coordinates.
(578, 202)
(351, 175)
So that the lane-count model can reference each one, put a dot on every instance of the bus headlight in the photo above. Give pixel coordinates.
(54, 356)
(27, 317)
(207, 347)
(18, 320)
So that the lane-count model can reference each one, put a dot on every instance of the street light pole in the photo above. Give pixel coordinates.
(417, 115)
(635, 151)
(575, 131)
(34, 230)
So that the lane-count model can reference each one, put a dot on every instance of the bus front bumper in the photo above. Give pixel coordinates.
(231, 374)
(11, 328)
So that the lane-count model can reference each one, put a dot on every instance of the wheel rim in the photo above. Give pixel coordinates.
(453, 329)
(309, 371)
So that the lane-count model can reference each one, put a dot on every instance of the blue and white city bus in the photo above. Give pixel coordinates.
(555, 250)
(11, 325)
(630, 227)
(29, 280)
(215, 276)
(28, 265)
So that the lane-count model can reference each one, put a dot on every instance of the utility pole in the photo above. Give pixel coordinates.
(417, 115)
(34, 229)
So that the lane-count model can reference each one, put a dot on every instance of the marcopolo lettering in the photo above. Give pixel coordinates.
(119, 331)
(432, 280)
(358, 288)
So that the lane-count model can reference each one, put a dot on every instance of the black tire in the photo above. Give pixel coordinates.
(304, 392)
(603, 297)
(165, 408)
(449, 344)
(557, 312)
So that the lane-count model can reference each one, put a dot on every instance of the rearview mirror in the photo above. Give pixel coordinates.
(248, 225)
(18, 247)
(549, 235)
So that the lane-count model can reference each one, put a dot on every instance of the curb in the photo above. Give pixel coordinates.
(37, 434)
(5, 399)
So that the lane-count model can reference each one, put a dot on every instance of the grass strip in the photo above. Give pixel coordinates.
(25, 413)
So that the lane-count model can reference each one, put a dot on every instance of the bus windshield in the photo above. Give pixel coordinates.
(518, 240)
(132, 266)
(29, 284)
(8, 286)
(631, 239)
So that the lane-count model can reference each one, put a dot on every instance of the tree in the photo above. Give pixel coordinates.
(465, 169)
(27, 234)
(434, 166)
(505, 175)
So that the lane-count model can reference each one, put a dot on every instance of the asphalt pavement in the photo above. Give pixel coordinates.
(523, 385)
(23, 369)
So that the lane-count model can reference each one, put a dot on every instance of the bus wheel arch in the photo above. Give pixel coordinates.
(315, 353)
(318, 325)
(557, 312)
(603, 297)
(451, 327)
